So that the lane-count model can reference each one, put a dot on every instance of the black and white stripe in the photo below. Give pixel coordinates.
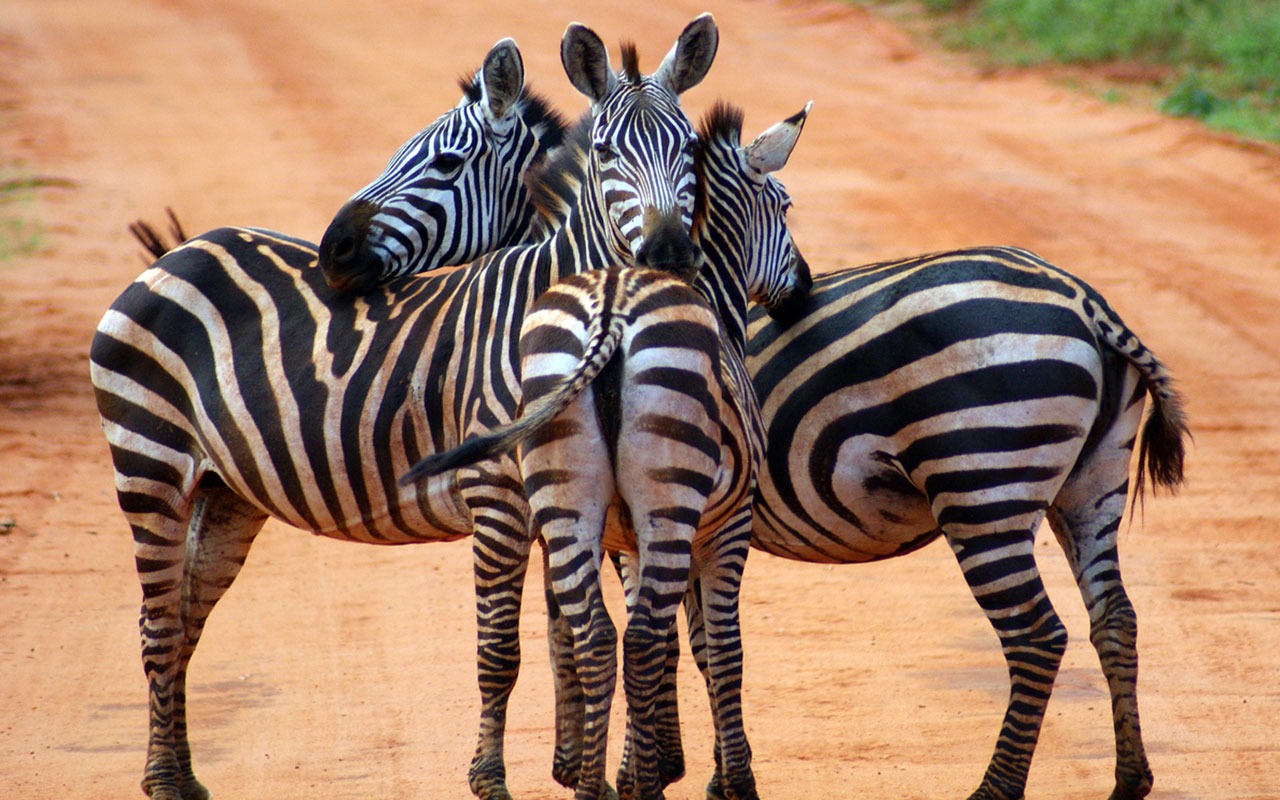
(235, 385)
(453, 192)
(636, 400)
(968, 395)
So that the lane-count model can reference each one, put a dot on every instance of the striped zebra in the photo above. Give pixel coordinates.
(453, 192)
(667, 441)
(968, 395)
(234, 384)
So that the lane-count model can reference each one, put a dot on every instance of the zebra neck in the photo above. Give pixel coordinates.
(724, 291)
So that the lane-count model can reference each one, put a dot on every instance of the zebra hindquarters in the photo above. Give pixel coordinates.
(1085, 518)
(989, 503)
(566, 468)
(685, 474)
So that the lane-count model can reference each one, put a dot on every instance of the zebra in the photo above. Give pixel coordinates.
(849, 480)
(234, 384)
(453, 192)
(968, 395)
(668, 439)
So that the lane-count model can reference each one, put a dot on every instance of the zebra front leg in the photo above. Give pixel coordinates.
(698, 644)
(500, 555)
(1001, 572)
(208, 558)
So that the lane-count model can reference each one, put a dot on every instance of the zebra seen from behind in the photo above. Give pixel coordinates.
(641, 434)
(453, 192)
(234, 384)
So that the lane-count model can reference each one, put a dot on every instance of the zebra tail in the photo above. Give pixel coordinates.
(152, 240)
(1161, 450)
(602, 343)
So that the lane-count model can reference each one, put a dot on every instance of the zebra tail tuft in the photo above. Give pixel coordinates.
(1162, 450)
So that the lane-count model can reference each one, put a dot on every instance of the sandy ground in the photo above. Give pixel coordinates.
(348, 671)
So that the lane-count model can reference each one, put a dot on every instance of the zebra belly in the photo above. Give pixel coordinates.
(867, 512)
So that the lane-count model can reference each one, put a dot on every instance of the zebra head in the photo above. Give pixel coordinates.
(744, 213)
(453, 192)
(642, 145)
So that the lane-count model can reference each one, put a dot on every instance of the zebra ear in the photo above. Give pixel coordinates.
(771, 149)
(691, 56)
(502, 78)
(586, 62)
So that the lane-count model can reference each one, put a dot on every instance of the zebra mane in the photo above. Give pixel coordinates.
(721, 126)
(534, 109)
(554, 182)
(631, 62)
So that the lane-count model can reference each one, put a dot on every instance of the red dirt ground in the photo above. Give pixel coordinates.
(348, 671)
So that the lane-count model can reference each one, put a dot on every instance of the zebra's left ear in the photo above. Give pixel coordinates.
(690, 59)
(771, 149)
(501, 79)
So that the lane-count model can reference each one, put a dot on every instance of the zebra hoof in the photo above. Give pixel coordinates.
(191, 789)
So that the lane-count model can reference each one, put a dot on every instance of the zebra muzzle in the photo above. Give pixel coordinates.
(348, 264)
(667, 245)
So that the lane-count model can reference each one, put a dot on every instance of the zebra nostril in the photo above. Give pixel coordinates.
(345, 249)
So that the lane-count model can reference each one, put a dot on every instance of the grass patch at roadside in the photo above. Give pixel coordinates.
(1214, 60)
(20, 229)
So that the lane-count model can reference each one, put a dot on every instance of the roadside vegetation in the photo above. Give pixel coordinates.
(1214, 60)
(19, 232)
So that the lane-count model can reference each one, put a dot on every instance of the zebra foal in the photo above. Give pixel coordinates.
(641, 434)
(235, 384)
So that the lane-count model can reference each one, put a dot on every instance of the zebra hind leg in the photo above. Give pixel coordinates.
(183, 577)
(1085, 518)
(1032, 637)
(666, 710)
(566, 765)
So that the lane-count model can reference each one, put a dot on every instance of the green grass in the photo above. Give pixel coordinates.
(1221, 58)
(20, 233)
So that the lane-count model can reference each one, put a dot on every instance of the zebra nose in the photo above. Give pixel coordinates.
(344, 260)
(667, 245)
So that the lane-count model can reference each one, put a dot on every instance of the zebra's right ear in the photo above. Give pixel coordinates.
(771, 149)
(501, 79)
(586, 62)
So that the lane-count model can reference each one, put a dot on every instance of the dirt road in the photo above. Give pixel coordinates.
(348, 671)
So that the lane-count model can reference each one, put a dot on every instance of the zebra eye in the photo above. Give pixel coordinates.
(605, 151)
(447, 162)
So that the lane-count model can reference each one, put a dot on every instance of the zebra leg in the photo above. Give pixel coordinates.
(666, 709)
(662, 578)
(720, 565)
(570, 702)
(698, 644)
(666, 713)
(574, 568)
(183, 577)
(1001, 572)
(1085, 517)
(500, 553)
